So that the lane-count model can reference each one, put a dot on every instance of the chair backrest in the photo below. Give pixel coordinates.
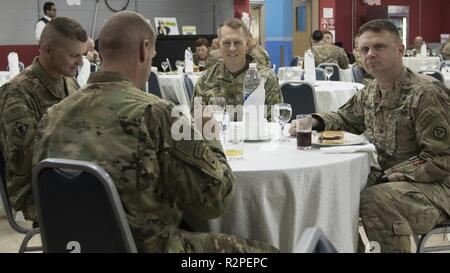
(6, 203)
(313, 240)
(320, 74)
(79, 208)
(301, 96)
(335, 76)
(294, 61)
(189, 86)
(94, 67)
(432, 73)
(358, 74)
(153, 85)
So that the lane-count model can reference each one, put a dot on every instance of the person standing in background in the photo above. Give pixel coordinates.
(49, 14)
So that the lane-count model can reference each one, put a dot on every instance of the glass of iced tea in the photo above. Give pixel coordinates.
(304, 131)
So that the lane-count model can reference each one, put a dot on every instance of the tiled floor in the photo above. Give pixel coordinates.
(10, 240)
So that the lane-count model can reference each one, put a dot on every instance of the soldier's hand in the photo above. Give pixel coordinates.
(293, 128)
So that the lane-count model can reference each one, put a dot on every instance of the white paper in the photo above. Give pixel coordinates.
(328, 13)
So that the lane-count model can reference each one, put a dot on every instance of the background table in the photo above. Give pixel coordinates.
(173, 87)
(417, 63)
(330, 95)
(280, 191)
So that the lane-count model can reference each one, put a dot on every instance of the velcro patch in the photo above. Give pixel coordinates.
(427, 117)
(20, 129)
(440, 133)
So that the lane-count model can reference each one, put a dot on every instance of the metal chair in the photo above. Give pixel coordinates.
(94, 67)
(335, 76)
(153, 85)
(295, 61)
(320, 74)
(79, 208)
(443, 229)
(358, 74)
(313, 240)
(29, 232)
(432, 73)
(189, 86)
(301, 96)
(444, 64)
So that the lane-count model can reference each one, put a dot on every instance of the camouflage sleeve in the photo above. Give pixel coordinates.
(19, 123)
(350, 117)
(273, 93)
(199, 91)
(195, 172)
(432, 125)
(343, 59)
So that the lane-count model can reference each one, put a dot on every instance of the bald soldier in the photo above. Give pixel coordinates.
(24, 100)
(116, 125)
(327, 53)
(407, 117)
(226, 78)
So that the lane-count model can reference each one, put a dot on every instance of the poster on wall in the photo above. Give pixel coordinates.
(166, 26)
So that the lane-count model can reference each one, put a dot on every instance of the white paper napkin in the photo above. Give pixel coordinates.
(370, 148)
(254, 110)
(13, 64)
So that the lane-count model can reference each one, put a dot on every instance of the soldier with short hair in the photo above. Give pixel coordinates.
(226, 78)
(25, 98)
(407, 117)
(259, 53)
(128, 132)
(326, 53)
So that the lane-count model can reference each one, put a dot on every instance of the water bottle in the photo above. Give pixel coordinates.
(188, 61)
(423, 50)
(310, 67)
(251, 80)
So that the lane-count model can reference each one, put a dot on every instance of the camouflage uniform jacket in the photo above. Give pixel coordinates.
(219, 82)
(412, 119)
(325, 53)
(259, 54)
(23, 101)
(446, 51)
(128, 133)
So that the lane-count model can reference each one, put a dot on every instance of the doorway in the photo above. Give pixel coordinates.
(303, 17)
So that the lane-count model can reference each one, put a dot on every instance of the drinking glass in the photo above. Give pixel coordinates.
(304, 131)
(164, 66)
(180, 65)
(329, 72)
(281, 113)
(219, 111)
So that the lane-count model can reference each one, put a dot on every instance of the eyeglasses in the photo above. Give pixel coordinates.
(227, 44)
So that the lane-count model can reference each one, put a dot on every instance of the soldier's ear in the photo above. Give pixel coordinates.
(144, 51)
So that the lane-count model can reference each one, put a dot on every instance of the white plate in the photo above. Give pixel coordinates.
(349, 139)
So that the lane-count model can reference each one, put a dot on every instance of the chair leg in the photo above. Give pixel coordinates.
(24, 245)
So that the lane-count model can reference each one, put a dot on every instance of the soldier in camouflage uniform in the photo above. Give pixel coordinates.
(446, 51)
(259, 53)
(325, 53)
(226, 78)
(24, 100)
(128, 132)
(407, 117)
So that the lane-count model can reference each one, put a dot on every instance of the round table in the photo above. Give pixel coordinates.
(280, 191)
(418, 63)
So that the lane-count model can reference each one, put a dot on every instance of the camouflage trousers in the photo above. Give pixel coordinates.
(223, 243)
(392, 212)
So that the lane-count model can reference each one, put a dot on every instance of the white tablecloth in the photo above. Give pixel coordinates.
(330, 95)
(417, 63)
(4, 77)
(275, 200)
(173, 87)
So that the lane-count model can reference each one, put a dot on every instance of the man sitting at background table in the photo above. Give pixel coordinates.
(201, 51)
(259, 53)
(128, 132)
(328, 39)
(225, 79)
(446, 51)
(325, 53)
(406, 116)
